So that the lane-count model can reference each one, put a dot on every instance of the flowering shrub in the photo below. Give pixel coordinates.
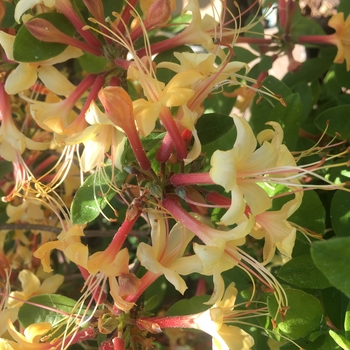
(160, 189)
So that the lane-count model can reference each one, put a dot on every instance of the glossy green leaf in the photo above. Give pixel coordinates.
(334, 303)
(212, 127)
(340, 213)
(189, 306)
(272, 110)
(347, 322)
(43, 50)
(289, 117)
(299, 321)
(338, 121)
(332, 258)
(311, 213)
(302, 272)
(340, 340)
(95, 193)
(29, 314)
(311, 69)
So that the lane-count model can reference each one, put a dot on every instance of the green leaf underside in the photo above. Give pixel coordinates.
(94, 195)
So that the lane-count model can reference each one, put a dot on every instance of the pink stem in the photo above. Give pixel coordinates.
(186, 321)
(171, 127)
(66, 8)
(121, 235)
(318, 39)
(146, 280)
(191, 179)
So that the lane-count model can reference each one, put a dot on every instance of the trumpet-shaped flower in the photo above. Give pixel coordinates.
(68, 241)
(237, 169)
(98, 138)
(166, 255)
(212, 322)
(277, 231)
(24, 5)
(26, 74)
(31, 286)
(31, 339)
(341, 37)
(12, 141)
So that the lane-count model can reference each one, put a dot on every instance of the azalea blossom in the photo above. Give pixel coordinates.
(26, 74)
(98, 138)
(225, 337)
(275, 228)
(340, 38)
(31, 286)
(236, 169)
(69, 242)
(166, 255)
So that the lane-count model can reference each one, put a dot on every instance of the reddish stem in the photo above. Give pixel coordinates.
(191, 179)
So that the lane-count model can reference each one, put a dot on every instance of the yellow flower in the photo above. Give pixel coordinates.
(26, 74)
(165, 256)
(31, 286)
(98, 138)
(237, 171)
(31, 337)
(277, 231)
(24, 5)
(12, 142)
(225, 337)
(68, 241)
(341, 37)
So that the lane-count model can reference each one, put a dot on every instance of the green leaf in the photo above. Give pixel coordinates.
(302, 272)
(304, 26)
(8, 20)
(272, 110)
(289, 118)
(347, 322)
(110, 6)
(338, 121)
(92, 64)
(43, 50)
(340, 213)
(212, 127)
(311, 213)
(95, 193)
(342, 75)
(340, 340)
(189, 306)
(344, 7)
(29, 314)
(332, 258)
(304, 315)
(334, 303)
(311, 69)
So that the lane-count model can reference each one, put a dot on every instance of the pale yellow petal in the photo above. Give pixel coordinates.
(22, 78)
(55, 81)
(51, 284)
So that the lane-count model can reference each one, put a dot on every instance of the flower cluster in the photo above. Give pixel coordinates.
(104, 128)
